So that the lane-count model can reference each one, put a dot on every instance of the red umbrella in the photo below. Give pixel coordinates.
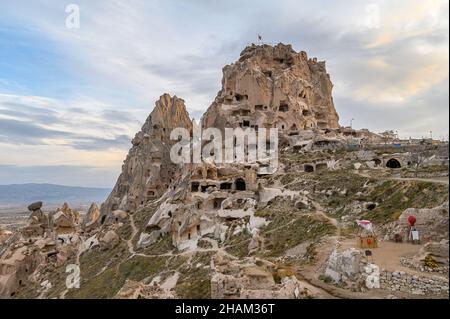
(412, 220)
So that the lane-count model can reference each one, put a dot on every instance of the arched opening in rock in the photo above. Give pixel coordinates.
(393, 163)
(306, 113)
(371, 206)
(103, 219)
(240, 184)
(309, 168)
(377, 161)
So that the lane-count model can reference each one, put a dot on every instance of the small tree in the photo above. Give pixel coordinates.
(417, 162)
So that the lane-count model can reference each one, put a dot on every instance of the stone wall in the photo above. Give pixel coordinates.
(418, 285)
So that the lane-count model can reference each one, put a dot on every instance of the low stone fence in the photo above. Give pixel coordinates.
(419, 285)
(443, 270)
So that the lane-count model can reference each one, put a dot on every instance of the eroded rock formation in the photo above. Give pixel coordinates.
(148, 171)
(274, 87)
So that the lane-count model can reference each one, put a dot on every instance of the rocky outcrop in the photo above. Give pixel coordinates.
(255, 279)
(65, 220)
(274, 87)
(344, 266)
(91, 219)
(148, 171)
(432, 223)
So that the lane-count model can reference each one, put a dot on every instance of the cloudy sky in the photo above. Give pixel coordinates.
(71, 99)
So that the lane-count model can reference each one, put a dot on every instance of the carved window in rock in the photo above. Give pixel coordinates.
(245, 123)
(309, 168)
(240, 98)
(226, 186)
(195, 187)
(283, 107)
(240, 184)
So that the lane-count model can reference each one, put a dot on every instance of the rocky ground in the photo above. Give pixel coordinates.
(308, 227)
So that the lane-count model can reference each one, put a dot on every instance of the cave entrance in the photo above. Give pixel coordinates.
(309, 168)
(393, 163)
(240, 184)
(195, 187)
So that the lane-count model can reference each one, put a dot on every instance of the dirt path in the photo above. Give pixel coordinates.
(134, 232)
(321, 212)
(441, 180)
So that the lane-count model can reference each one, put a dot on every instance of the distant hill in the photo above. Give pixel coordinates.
(20, 195)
